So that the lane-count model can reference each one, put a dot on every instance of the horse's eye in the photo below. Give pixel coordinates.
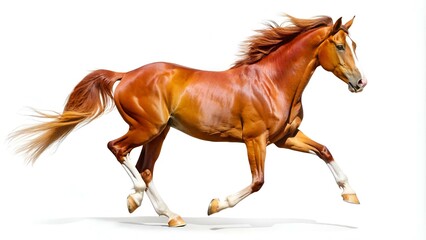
(340, 47)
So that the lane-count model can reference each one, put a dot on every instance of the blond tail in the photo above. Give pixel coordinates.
(89, 99)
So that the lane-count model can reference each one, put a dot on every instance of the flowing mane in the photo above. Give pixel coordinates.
(269, 39)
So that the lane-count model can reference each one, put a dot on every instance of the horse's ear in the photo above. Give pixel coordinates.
(336, 26)
(349, 23)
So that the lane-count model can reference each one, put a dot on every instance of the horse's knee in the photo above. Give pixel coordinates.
(325, 154)
(257, 184)
(116, 151)
(111, 147)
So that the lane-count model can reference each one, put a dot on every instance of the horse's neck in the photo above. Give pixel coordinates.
(292, 65)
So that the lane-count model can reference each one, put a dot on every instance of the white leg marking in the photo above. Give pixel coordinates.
(158, 203)
(340, 177)
(134, 175)
(161, 208)
(138, 184)
(232, 200)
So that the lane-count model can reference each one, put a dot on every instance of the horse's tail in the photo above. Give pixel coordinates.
(89, 99)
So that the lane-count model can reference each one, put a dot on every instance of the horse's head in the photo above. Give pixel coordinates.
(337, 55)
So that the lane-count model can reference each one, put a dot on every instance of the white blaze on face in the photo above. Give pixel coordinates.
(351, 45)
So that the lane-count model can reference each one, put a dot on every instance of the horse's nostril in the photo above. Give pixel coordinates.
(362, 82)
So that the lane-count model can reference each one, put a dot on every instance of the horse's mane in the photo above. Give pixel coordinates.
(269, 39)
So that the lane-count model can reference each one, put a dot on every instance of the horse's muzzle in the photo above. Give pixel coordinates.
(357, 86)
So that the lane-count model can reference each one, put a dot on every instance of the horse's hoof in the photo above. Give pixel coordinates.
(213, 207)
(176, 222)
(132, 203)
(350, 198)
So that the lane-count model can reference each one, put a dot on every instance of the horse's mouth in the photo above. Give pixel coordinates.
(354, 89)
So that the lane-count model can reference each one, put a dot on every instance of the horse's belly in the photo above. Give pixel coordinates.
(205, 131)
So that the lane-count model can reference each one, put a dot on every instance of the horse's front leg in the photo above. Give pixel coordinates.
(300, 142)
(256, 151)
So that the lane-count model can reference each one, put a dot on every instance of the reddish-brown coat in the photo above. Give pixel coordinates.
(258, 101)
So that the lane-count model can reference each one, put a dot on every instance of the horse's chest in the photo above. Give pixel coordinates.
(288, 124)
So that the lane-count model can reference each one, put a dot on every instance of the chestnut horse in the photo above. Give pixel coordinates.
(256, 102)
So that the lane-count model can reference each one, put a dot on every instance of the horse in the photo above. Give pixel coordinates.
(257, 101)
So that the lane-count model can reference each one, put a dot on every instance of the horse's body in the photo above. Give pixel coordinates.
(257, 102)
(216, 106)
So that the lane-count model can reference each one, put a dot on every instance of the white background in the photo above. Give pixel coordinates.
(78, 191)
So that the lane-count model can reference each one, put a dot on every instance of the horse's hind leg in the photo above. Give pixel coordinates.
(300, 142)
(145, 165)
(134, 200)
(121, 147)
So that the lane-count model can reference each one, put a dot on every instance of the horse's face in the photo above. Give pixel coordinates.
(337, 55)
